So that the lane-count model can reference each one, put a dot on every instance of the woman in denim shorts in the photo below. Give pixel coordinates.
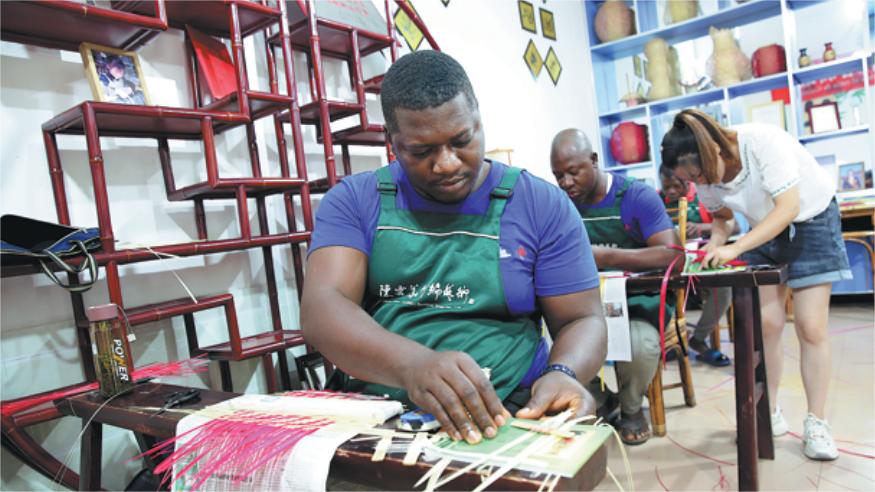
(765, 174)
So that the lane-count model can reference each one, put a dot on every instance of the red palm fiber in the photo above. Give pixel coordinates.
(339, 395)
(234, 445)
(176, 368)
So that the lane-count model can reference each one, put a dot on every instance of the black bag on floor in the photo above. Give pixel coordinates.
(29, 241)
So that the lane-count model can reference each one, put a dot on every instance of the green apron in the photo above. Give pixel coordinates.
(434, 278)
(693, 214)
(604, 227)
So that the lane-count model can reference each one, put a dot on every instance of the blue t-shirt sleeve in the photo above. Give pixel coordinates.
(643, 211)
(348, 214)
(564, 263)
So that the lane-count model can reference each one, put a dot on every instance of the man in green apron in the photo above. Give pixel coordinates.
(629, 230)
(430, 270)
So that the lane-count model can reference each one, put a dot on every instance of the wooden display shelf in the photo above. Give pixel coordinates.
(227, 188)
(210, 17)
(336, 110)
(177, 307)
(334, 38)
(372, 135)
(321, 185)
(134, 121)
(260, 104)
(255, 345)
(63, 24)
(124, 120)
(194, 248)
(372, 85)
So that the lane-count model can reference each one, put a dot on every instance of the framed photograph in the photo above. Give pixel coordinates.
(115, 75)
(771, 113)
(824, 117)
(527, 16)
(852, 176)
(548, 26)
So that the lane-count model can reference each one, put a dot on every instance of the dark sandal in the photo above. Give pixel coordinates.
(610, 410)
(633, 429)
(714, 358)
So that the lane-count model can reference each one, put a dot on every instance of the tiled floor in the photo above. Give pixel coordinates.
(699, 452)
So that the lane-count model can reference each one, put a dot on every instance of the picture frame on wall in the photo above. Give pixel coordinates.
(411, 33)
(824, 117)
(114, 75)
(770, 113)
(851, 176)
(548, 24)
(527, 16)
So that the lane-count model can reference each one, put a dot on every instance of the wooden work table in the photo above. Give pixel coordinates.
(754, 426)
(351, 463)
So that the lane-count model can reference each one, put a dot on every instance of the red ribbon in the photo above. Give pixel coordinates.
(700, 255)
(663, 291)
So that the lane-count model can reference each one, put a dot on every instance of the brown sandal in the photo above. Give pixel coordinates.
(634, 428)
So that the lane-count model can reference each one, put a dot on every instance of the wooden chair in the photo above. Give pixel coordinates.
(860, 237)
(675, 341)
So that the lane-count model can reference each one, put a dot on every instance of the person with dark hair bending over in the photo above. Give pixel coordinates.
(763, 173)
(430, 270)
(715, 302)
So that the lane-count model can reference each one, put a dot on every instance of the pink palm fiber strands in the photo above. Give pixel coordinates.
(238, 444)
(158, 369)
(234, 445)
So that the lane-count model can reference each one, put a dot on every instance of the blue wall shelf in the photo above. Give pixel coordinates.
(744, 13)
(612, 61)
(838, 133)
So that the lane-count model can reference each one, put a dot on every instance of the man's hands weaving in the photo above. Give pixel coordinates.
(555, 392)
(453, 388)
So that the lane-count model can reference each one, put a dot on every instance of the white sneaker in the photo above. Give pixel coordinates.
(817, 440)
(779, 424)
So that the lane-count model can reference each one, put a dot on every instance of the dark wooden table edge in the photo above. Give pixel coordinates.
(348, 464)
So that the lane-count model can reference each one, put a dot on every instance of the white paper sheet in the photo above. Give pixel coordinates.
(616, 308)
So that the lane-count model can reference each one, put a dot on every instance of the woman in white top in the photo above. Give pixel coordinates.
(763, 173)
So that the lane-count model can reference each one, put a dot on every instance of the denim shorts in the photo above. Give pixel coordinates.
(813, 250)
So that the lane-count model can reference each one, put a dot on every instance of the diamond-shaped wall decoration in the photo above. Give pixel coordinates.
(554, 68)
(533, 59)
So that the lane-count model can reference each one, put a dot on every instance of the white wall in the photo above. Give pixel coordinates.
(518, 111)
(38, 339)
